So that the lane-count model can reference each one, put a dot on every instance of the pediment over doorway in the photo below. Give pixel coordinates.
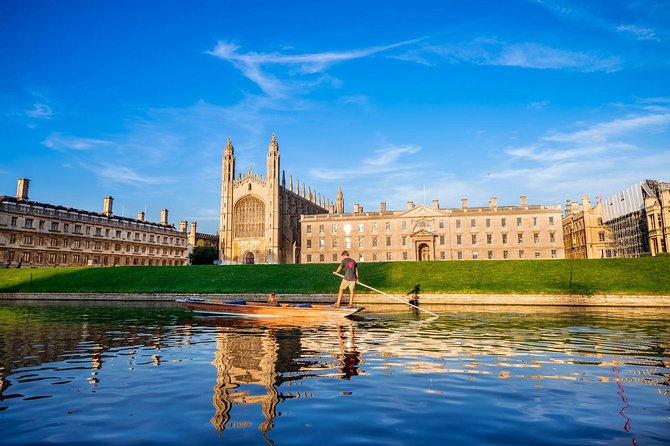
(423, 211)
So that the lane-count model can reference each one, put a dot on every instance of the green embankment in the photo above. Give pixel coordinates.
(649, 275)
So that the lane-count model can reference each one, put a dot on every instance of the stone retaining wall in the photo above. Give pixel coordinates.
(599, 300)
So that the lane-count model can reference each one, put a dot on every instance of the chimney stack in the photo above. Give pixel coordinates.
(357, 208)
(182, 226)
(382, 206)
(164, 217)
(524, 200)
(107, 206)
(410, 205)
(140, 215)
(436, 204)
(464, 203)
(192, 234)
(22, 189)
(494, 202)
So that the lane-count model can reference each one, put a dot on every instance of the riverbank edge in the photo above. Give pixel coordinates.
(598, 300)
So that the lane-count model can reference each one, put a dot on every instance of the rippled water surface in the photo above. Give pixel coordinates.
(475, 375)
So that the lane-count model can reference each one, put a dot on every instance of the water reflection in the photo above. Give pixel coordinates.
(495, 368)
(259, 362)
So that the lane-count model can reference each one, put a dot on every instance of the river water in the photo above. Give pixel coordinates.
(84, 374)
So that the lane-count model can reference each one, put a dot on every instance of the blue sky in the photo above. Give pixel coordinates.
(549, 99)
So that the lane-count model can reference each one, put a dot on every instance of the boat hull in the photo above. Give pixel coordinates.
(259, 309)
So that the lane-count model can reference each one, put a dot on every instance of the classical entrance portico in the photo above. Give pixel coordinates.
(424, 244)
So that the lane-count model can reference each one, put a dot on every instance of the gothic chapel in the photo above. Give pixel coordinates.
(260, 217)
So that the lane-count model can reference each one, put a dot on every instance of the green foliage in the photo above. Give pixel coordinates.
(647, 275)
(203, 255)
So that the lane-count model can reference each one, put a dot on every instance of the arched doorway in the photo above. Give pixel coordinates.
(249, 258)
(424, 252)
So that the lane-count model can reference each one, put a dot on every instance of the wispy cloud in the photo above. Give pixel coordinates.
(123, 174)
(253, 65)
(40, 111)
(603, 131)
(524, 55)
(384, 161)
(58, 141)
(639, 32)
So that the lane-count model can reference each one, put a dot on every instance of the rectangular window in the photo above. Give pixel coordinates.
(388, 256)
(458, 224)
(374, 241)
(361, 227)
(458, 239)
(98, 231)
(459, 255)
(475, 255)
(536, 237)
(322, 243)
(552, 237)
(403, 224)
(388, 241)
(474, 239)
(505, 254)
(334, 257)
(488, 222)
(553, 253)
(404, 240)
(388, 225)
(534, 221)
(601, 236)
(28, 223)
(309, 230)
(309, 258)
(54, 226)
(334, 243)
(13, 222)
(442, 255)
(404, 255)
(309, 243)
(321, 258)
(440, 224)
(334, 229)
(473, 223)
(537, 254)
(518, 221)
(27, 239)
(320, 229)
(503, 222)
(442, 240)
(551, 221)
(490, 255)
(489, 239)
(520, 238)
(504, 239)
(361, 242)
(522, 254)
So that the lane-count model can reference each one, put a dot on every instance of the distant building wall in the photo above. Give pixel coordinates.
(431, 233)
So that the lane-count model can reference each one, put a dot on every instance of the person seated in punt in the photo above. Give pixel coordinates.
(272, 299)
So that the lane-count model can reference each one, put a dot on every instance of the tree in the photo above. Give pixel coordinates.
(203, 255)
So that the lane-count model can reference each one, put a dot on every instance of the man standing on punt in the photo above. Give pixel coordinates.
(350, 278)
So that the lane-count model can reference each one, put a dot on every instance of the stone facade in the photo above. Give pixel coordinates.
(260, 216)
(657, 206)
(584, 234)
(433, 233)
(34, 234)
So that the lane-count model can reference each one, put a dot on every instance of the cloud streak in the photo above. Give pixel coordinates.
(386, 160)
(523, 55)
(252, 64)
(60, 142)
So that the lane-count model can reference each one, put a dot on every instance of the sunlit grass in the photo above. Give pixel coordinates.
(616, 276)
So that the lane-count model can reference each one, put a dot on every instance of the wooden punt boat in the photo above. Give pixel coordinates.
(262, 309)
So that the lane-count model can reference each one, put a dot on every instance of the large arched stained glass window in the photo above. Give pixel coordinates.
(249, 217)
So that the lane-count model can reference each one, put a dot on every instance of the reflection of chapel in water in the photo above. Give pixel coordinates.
(251, 368)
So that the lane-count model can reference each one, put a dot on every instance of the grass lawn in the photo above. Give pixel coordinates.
(647, 275)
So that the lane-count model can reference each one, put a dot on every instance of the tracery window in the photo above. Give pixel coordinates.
(249, 217)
